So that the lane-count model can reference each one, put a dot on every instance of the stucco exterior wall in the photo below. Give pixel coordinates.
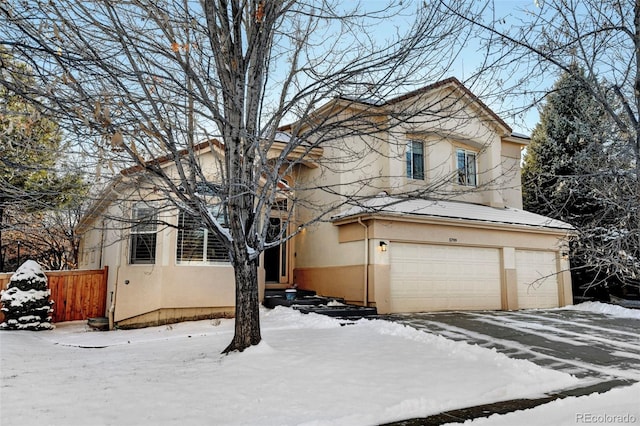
(511, 182)
(365, 165)
(163, 292)
(347, 280)
(167, 288)
(330, 259)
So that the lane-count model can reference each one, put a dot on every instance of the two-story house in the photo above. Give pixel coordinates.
(432, 220)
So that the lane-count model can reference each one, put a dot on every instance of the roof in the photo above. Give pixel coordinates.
(110, 193)
(437, 85)
(381, 103)
(390, 206)
(455, 82)
(169, 158)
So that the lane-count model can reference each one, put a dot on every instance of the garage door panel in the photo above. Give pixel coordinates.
(449, 278)
(537, 279)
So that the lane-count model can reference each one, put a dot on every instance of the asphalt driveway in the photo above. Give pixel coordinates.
(586, 344)
(602, 350)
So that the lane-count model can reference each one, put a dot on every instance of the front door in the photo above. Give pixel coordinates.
(275, 258)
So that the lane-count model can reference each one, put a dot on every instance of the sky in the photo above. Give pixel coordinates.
(471, 57)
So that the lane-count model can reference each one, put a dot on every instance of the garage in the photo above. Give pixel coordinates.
(428, 277)
(537, 279)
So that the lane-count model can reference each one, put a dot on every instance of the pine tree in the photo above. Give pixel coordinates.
(30, 148)
(26, 302)
(565, 149)
(566, 170)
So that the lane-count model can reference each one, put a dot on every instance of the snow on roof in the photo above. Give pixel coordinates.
(282, 137)
(386, 205)
(286, 137)
(520, 135)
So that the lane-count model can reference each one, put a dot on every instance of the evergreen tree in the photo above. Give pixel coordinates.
(565, 150)
(25, 302)
(30, 148)
(567, 176)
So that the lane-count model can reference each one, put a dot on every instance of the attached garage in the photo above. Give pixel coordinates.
(537, 278)
(427, 277)
(426, 255)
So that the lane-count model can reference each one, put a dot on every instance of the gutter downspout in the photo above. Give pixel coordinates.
(112, 308)
(365, 298)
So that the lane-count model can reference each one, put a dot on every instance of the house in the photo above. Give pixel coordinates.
(433, 221)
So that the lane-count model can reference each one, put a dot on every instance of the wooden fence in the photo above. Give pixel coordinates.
(77, 294)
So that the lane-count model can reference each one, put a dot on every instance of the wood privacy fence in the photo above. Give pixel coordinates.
(77, 294)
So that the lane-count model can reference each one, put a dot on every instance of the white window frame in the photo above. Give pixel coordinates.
(144, 227)
(411, 161)
(466, 167)
(207, 239)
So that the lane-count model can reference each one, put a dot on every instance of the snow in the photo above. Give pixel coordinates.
(16, 297)
(619, 406)
(309, 370)
(28, 270)
(27, 293)
(607, 309)
(387, 205)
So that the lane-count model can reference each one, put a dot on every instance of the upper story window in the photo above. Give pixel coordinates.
(143, 235)
(415, 160)
(198, 244)
(466, 163)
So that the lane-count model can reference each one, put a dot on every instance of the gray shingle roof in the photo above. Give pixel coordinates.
(385, 205)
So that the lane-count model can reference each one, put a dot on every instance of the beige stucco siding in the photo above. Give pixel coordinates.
(336, 260)
(164, 291)
(143, 289)
(433, 235)
(317, 246)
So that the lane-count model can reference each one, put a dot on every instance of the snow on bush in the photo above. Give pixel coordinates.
(25, 302)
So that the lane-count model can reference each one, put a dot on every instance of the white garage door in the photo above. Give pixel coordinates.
(434, 278)
(537, 279)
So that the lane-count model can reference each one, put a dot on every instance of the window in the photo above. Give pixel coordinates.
(196, 243)
(415, 160)
(143, 236)
(466, 167)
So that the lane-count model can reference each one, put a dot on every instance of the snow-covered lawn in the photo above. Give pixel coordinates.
(309, 370)
(619, 406)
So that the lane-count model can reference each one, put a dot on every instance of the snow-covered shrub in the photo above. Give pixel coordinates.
(25, 302)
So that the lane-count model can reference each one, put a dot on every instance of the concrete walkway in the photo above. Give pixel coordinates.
(602, 350)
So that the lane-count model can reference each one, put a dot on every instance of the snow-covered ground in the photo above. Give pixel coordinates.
(619, 406)
(607, 309)
(309, 370)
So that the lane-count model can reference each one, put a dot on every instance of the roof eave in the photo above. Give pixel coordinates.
(452, 221)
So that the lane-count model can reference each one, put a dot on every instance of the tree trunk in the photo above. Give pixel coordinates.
(1, 246)
(247, 328)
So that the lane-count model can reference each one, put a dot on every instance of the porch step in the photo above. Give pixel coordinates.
(308, 302)
(345, 311)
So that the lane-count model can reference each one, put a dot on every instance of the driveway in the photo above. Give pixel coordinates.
(588, 345)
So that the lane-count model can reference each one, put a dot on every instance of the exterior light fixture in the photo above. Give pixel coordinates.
(383, 246)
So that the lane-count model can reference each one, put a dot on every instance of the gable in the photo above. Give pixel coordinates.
(456, 97)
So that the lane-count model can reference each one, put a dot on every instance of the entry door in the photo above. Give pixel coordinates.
(275, 258)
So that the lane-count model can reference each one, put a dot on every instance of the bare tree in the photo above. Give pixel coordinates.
(150, 80)
(33, 182)
(596, 44)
